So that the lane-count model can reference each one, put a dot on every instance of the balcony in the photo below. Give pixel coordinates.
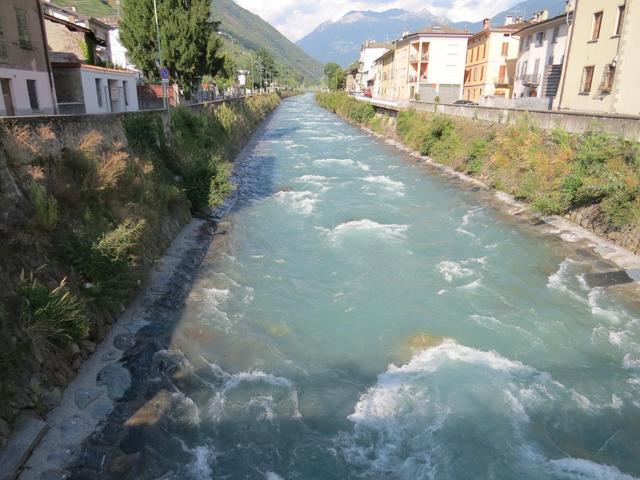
(415, 58)
(531, 79)
(501, 81)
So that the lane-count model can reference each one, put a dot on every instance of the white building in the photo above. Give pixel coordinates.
(369, 53)
(540, 62)
(90, 89)
(25, 80)
(118, 51)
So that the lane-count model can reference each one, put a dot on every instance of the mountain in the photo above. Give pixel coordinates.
(251, 33)
(340, 41)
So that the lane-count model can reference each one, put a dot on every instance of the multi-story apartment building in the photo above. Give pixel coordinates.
(369, 52)
(540, 61)
(490, 62)
(602, 70)
(427, 66)
(26, 86)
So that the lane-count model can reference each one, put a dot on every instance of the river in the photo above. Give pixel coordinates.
(364, 318)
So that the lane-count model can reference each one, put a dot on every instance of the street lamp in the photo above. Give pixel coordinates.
(164, 84)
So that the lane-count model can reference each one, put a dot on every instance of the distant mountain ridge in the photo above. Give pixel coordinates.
(340, 41)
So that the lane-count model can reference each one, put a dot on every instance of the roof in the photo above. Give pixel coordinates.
(374, 44)
(383, 55)
(443, 29)
(544, 23)
(74, 27)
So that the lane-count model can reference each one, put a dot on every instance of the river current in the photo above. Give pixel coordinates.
(363, 318)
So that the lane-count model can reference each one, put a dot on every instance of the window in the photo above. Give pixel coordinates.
(502, 74)
(484, 50)
(4, 55)
(536, 67)
(477, 53)
(539, 39)
(597, 25)
(550, 61)
(505, 49)
(99, 91)
(556, 34)
(528, 42)
(33, 95)
(620, 19)
(607, 78)
(481, 73)
(587, 79)
(124, 92)
(23, 29)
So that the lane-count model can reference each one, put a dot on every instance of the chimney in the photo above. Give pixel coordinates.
(570, 6)
(406, 34)
(508, 20)
(486, 23)
(544, 15)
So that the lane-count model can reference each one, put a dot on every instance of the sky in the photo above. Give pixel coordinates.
(296, 18)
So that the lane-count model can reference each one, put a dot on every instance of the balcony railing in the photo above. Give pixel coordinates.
(501, 81)
(414, 57)
(531, 79)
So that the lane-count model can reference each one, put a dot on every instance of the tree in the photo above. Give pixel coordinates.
(190, 45)
(335, 76)
(266, 67)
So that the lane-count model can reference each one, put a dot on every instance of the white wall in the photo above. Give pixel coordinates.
(367, 58)
(447, 58)
(20, 94)
(541, 53)
(118, 51)
(90, 74)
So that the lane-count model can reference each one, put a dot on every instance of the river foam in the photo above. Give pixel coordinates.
(384, 231)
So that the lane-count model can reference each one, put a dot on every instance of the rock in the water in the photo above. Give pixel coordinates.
(124, 341)
(51, 398)
(116, 378)
(122, 464)
(84, 397)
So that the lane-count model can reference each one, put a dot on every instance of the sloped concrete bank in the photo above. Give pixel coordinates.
(44, 445)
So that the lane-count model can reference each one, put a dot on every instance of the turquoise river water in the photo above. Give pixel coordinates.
(364, 318)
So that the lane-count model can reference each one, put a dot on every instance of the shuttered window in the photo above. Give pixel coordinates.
(33, 95)
(587, 79)
(23, 29)
(505, 49)
(597, 25)
(620, 19)
(608, 76)
(4, 54)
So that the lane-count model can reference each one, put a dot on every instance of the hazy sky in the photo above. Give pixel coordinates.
(296, 18)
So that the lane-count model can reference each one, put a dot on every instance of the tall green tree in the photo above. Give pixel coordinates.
(266, 67)
(335, 76)
(189, 43)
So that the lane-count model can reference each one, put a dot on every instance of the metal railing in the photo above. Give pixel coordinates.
(530, 79)
(501, 80)
(414, 57)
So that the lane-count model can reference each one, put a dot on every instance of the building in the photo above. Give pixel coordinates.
(369, 53)
(80, 55)
(540, 62)
(352, 81)
(426, 66)
(491, 60)
(26, 85)
(384, 84)
(601, 64)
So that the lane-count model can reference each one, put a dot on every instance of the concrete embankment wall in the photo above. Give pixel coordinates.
(573, 122)
(85, 191)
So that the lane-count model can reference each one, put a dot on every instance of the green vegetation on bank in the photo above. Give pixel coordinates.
(555, 172)
(98, 203)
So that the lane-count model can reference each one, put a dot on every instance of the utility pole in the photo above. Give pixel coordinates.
(164, 84)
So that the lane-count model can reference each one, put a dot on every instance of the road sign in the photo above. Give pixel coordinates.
(164, 73)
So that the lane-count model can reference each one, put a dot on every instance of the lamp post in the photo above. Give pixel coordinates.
(164, 83)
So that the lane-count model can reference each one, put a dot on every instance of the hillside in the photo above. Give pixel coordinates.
(94, 8)
(252, 33)
(340, 41)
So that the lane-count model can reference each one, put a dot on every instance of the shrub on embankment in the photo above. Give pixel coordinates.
(593, 178)
(87, 205)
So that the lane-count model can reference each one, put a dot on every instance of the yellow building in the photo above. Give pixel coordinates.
(602, 71)
(491, 58)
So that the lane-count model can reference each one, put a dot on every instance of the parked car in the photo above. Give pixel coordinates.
(464, 102)
(367, 93)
